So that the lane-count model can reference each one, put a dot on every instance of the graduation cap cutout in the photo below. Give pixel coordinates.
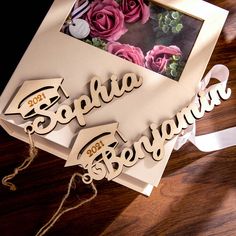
(41, 94)
(91, 143)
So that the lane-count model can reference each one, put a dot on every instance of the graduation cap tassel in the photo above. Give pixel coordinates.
(59, 211)
(33, 151)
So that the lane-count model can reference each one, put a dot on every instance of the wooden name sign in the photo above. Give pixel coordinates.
(94, 148)
(35, 97)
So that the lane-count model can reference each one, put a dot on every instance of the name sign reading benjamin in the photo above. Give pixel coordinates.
(97, 154)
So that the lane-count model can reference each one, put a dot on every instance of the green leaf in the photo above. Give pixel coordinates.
(88, 41)
(173, 66)
(160, 24)
(167, 14)
(167, 21)
(168, 70)
(165, 28)
(96, 42)
(173, 30)
(173, 23)
(173, 73)
(176, 58)
(175, 15)
(179, 27)
(159, 16)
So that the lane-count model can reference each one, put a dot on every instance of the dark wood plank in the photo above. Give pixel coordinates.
(196, 195)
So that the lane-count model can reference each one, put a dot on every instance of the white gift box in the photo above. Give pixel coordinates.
(53, 54)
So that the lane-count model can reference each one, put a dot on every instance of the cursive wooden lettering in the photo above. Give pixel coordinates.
(109, 165)
(99, 93)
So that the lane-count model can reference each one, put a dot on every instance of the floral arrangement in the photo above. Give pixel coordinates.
(106, 24)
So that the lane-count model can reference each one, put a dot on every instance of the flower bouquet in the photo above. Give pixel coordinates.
(139, 31)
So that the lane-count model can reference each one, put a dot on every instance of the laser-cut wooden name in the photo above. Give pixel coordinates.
(97, 152)
(35, 97)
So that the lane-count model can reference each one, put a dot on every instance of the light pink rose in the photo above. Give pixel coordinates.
(105, 19)
(126, 51)
(158, 58)
(135, 10)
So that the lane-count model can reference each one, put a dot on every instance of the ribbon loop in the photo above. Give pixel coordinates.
(212, 141)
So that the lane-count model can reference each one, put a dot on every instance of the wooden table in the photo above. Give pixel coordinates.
(196, 196)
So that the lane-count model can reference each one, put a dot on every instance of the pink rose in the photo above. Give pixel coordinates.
(105, 19)
(135, 10)
(159, 56)
(126, 51)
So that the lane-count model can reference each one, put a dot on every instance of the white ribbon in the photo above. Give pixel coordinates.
(79, 9)
(212, 141)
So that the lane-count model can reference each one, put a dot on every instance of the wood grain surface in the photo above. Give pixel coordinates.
(196, 196)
